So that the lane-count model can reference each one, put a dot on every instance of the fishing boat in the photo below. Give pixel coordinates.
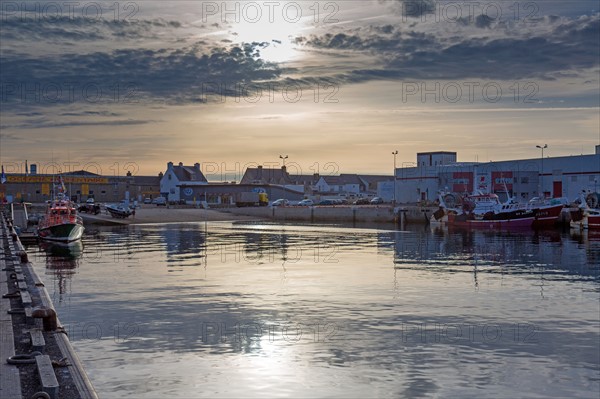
(546, 212)
(60, 221)
(481, 211)
(586, 217)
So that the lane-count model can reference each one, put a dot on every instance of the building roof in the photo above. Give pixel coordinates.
(375, 178)
(343, 179)
(436, 152)
(79, 173)
(274, 176)
(189, 173)
(146, 180)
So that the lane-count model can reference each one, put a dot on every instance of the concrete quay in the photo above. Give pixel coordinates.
(340, 213)
(36, 356)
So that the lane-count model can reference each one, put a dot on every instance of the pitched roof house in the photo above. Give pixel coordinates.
(176, 175)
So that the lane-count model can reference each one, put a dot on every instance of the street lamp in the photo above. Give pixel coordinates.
(284, 175)
(284, 158)
(541, 181)
(394, 175)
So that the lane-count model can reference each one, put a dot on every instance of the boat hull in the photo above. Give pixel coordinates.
(66, 232)
(547, 216)
(498, 224)
(118, 213)
(591, 222)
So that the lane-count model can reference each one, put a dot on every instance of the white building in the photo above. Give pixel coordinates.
(176, 176)
(342, 184)
(525, 178)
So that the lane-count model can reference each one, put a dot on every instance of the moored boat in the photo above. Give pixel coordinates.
(119, 211)
(546, 212)
(586, 217)
(482, 211)
(60, 222)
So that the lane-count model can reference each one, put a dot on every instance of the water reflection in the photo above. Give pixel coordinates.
(62, 260)
(247, 308)
(547, 252)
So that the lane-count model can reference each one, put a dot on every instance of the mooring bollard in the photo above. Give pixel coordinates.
(48, 317)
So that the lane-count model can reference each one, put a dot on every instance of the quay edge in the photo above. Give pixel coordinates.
(15, 263)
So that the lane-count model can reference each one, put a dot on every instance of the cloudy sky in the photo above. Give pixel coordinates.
(335, 85)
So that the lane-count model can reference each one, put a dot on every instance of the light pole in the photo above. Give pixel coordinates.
(284, 174)
(284, 158)
(540, 184)
(394, 175)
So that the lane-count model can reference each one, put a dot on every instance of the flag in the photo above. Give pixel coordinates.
(3, 176)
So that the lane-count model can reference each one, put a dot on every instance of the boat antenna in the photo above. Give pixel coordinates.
(508, 197)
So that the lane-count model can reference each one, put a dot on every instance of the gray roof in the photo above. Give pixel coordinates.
(80, 173)
(188, 173)
(343, 179)
(375, 178)
(146, 180)
(274, 176)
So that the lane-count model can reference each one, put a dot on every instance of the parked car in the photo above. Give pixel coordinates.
(280, 202)
(158, 201)
(377, 200)
(306, 202)
(326, 202)
(147, 200)
(362, 201)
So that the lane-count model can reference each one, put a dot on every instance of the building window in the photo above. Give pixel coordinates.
(573, 179)
(524, 180)
(37, 191)
(91, 192)
(169, 176)
(78, 192)
(103, 192)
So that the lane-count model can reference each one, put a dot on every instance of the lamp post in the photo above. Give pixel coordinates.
(284, 158)
(540, 184)
(284, 172)
(394, 175)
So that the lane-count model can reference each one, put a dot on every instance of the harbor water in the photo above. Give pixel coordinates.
(286, 310)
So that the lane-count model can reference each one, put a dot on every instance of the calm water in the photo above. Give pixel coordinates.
(262, 310)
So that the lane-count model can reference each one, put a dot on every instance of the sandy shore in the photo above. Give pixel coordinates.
(166, 215)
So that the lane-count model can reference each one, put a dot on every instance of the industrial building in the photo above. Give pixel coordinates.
(80, 185)
(564, 176)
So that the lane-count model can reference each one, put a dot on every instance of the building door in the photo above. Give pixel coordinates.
(557, 189)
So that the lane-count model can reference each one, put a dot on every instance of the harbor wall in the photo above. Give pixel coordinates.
(343, 214)
(33, 313)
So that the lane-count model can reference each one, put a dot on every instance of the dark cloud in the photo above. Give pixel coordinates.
(134, 75)
(81, 29)
(411, 8)
(42, 124)
(91, 113)
(565, 47)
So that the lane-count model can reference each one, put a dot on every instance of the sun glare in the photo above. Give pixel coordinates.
(278, 35)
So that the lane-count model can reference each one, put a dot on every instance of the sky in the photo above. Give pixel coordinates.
(336, 86)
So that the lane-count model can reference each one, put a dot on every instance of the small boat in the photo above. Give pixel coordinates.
(586, 217)
(481, 211)
(119, 211)
(60, 222)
